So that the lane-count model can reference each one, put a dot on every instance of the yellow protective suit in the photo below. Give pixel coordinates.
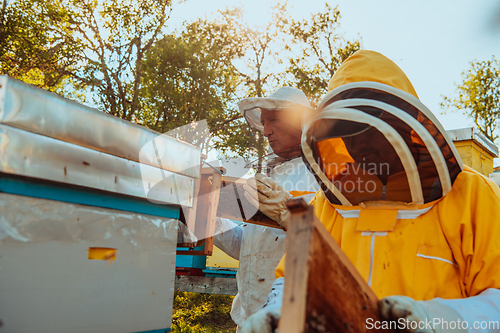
(450, 251)
(445, 243)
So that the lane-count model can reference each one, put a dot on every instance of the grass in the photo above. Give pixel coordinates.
(202, 313)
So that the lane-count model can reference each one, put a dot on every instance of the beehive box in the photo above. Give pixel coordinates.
(89, 208)
(475, 149)
(75, 268)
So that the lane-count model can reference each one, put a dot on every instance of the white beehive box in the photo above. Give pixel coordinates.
(85, 244)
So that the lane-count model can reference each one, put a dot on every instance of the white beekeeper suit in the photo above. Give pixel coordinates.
(259, 249)
(495, 177)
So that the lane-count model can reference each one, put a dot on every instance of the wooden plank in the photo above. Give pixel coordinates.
(201, 217)
(214, 195)
(190, 252)
(204, 284)
(297, 246)
(324, 292)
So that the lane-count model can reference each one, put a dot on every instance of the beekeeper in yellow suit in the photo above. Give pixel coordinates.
(422, 229)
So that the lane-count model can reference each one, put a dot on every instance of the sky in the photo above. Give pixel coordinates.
(432, 41)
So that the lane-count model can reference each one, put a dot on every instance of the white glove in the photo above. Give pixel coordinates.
(262, 321)
(266, 319)
(269, 197)
(420, 316)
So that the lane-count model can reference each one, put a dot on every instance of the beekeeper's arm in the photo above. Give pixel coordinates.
(475, 314)
(266, 319)
(228, 236)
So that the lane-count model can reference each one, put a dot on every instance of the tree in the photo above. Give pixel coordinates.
(115, 54)
(190, 77)
(256, 78)
(322, 50)
(479, 96)
(193, 76)
(96, 46)
(36, 42)
(116, 34)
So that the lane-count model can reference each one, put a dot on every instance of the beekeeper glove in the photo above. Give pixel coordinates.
(420, 316)
(266, 319)
(269, 197)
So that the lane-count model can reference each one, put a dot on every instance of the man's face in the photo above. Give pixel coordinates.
(282, 129)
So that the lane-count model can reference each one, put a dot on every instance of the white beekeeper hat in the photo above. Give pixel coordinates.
(284, 98)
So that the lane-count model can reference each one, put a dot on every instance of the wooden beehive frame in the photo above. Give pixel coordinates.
(216, 195)
(201, 217)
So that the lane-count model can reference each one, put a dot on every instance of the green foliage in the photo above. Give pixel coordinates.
(96, 46)
(260, 47)
(36, 42)
(197, 69)
(479, 96)
(258, 78)
(322, 50)
(190, 77)
(195, 313)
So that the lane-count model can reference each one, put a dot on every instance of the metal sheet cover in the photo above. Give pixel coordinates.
(27, 154)
(38, 111)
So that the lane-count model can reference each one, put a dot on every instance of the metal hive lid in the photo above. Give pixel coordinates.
(38, 111)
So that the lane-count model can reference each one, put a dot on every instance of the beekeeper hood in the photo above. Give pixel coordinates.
(373, 139)
(285, 98)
